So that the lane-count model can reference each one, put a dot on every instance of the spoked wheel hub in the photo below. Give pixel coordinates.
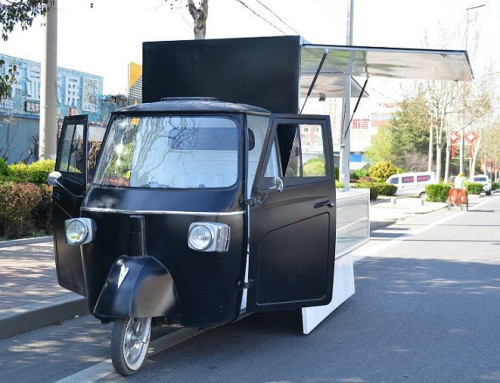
(129, 344)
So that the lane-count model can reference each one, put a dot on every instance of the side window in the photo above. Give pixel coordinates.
(394, 181)
(423, 178)
(303, 154)
(408, 180)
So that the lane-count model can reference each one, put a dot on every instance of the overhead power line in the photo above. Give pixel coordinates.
(262, 17)
(275, 15)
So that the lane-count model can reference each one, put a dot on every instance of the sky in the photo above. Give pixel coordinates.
(102, 36)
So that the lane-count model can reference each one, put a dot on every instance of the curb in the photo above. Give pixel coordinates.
(375, 225)
(42, 314)
(25, 241)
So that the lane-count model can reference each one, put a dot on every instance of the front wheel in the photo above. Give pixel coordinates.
(129, 344)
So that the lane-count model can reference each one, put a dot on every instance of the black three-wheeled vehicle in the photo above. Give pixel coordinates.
(197, 212)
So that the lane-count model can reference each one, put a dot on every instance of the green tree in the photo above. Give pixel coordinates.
(381, 146)
(410, 131)
(17, 13)
(383, 170)
(315, 167)
(405, 140)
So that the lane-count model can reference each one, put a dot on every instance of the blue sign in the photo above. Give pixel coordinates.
(77, 92)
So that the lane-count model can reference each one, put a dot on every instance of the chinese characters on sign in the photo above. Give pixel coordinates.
(90, 94)
(76, 91)
(361, 123)
(32, 107)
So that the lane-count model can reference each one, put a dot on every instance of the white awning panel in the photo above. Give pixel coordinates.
(399, 63)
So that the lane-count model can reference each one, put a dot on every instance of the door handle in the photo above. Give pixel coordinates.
(324, 203)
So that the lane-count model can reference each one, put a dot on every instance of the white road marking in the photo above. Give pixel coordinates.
(105, 368)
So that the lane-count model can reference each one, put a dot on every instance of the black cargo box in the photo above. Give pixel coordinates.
(263, 71)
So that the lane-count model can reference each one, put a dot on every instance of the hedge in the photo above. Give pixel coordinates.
(25, 199)
(17, 203)
(437, 192)
(474, 188)
(35, 173)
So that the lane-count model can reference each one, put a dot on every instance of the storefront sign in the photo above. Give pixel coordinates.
(75, 90)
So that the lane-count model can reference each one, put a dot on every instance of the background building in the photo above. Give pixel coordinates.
(77, 93)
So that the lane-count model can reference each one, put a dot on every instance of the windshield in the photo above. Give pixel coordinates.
(169, 152)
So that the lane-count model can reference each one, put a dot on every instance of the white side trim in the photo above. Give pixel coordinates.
(343, 288)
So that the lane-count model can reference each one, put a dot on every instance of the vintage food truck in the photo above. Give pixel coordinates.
(200, 210)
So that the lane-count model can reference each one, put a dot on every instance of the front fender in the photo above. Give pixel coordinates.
(137, 287)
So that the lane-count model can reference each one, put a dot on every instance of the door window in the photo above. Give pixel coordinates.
(299, 152)
(71, 155)
(307, 154)
(71, 158)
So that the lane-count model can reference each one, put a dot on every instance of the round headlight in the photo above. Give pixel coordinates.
(76, 232)
(200, 237)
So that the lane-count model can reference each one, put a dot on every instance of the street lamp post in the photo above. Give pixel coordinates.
(345, 139)
(462, 140)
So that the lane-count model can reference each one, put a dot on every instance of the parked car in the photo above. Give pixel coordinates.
(411, 184)
(484, 180)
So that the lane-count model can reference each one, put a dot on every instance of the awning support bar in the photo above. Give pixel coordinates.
(356, 107)
(314, 79)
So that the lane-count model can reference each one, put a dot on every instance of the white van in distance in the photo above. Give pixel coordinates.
(412, 184)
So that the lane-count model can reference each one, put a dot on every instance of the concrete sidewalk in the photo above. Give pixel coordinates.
(385, 211)
(30, 296)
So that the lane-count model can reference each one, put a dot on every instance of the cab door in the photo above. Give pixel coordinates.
(292, 216)
(67, 198)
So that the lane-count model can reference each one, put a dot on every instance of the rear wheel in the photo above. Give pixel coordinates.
(129, 344)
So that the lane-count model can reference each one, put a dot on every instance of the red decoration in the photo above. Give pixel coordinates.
(453, 151)
(455, 137)
(471, 136)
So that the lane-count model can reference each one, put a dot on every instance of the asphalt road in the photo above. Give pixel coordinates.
(426, 309)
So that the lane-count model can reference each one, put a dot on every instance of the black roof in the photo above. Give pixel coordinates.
(190, 105)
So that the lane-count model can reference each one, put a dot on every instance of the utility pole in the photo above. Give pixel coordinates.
(345, 137)
(48, 89)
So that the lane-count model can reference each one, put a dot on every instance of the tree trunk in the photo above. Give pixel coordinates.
(431, 146)
(447, 161)
(199, 16)
(439, 154)
(477, 145)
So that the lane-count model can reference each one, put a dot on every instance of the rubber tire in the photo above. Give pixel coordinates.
(122, 336)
